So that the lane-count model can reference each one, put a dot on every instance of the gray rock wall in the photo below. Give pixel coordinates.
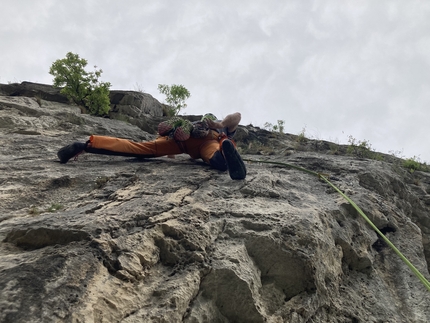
(114, 239)
(131, 106)
(135, 104)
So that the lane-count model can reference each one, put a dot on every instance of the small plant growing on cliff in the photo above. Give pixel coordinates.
(279, 127)
(101, 182)
(54, 207)
(414, 163)
(80, 86)
(301, 137)
(175, 97)
(362, 149)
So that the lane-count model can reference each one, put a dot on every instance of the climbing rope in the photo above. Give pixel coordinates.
(325, 177)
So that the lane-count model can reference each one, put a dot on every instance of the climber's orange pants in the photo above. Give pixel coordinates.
(203, 148)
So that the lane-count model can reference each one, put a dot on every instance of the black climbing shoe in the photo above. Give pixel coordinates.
(235, 164)
(70, 151)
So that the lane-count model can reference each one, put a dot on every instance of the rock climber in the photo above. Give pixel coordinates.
(209, 139)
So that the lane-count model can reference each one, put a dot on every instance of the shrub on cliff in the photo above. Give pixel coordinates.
(175, 97)
(80, 86)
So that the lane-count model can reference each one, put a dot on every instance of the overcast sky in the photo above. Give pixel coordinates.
(335, 68)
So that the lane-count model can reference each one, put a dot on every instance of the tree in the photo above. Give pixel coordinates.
(175, 97)
(80, 86)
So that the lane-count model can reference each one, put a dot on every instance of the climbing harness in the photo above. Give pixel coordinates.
(325, 178)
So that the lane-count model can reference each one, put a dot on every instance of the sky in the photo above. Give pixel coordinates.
(333, 69)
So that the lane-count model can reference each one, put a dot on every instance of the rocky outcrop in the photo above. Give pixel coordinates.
(114, 239)
(134, 107)
(135, 104)
(28, 89)
(137, 108)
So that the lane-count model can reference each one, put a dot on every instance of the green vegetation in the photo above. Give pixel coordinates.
(301, 137)
(413, 164)
(101, 182)
(279, 127)
(80, 86)
(175, 97)
(54, 207)
(358, 148)
(361, 149)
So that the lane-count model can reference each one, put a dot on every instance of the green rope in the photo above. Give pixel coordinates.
(387, 241)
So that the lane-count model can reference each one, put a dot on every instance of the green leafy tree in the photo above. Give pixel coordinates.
(175, 96)
(80, 86)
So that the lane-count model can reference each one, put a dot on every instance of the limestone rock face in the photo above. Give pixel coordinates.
(135, 107)
(135, 104)
(115, 239)
(29, 89)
